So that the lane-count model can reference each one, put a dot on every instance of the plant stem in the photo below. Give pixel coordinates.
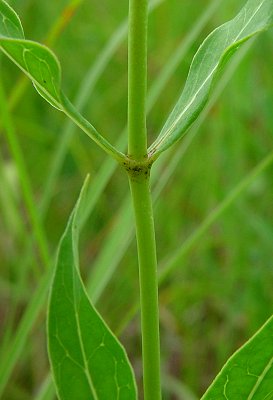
(137, 78)
(139, 177)
(140, 190)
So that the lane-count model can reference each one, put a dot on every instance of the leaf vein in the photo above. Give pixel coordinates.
(260, 379)
(85, 360)
(176, 121)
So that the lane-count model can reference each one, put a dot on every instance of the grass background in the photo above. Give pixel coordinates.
(221, 290)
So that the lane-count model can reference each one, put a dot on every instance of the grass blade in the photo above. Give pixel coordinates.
(24, 178)
(30, 315)
(175, 260)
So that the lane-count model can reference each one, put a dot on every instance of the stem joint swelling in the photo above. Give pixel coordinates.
(137, 170)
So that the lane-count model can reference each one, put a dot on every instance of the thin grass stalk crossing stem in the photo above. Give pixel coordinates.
(140, 190)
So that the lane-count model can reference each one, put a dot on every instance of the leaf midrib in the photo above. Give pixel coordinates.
(85, 361)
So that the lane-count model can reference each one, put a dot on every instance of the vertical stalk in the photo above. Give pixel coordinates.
(140, 190)
(139, 178)
(137, 78)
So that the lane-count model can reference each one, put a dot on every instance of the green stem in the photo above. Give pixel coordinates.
(140, 190)
(137, 167)
(137, 78)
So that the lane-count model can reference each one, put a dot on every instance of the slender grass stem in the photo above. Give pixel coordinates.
(140, 190)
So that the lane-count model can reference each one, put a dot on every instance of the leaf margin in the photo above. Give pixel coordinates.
(74, 223)
(267, 325)
(54, 102)
(166, 139)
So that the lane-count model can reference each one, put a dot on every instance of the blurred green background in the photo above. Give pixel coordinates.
(221, 290)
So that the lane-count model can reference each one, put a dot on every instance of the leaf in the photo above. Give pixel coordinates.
(10, 24)
(41, 65)
(248, 374)
(36, 61)
(87, 360)
(218, 47)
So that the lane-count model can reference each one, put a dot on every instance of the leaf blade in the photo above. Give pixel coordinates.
(248, 374)
(218, 47)
(41, 65)
(37, 61)
(10, 25)
(82, 349)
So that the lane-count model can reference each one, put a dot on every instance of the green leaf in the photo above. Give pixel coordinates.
(36, 61)
(41, 65)
(218, 47)
(87, 360)
(10, 24)
(248, 374)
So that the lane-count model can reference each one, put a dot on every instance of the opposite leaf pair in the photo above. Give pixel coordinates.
(43, 68)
